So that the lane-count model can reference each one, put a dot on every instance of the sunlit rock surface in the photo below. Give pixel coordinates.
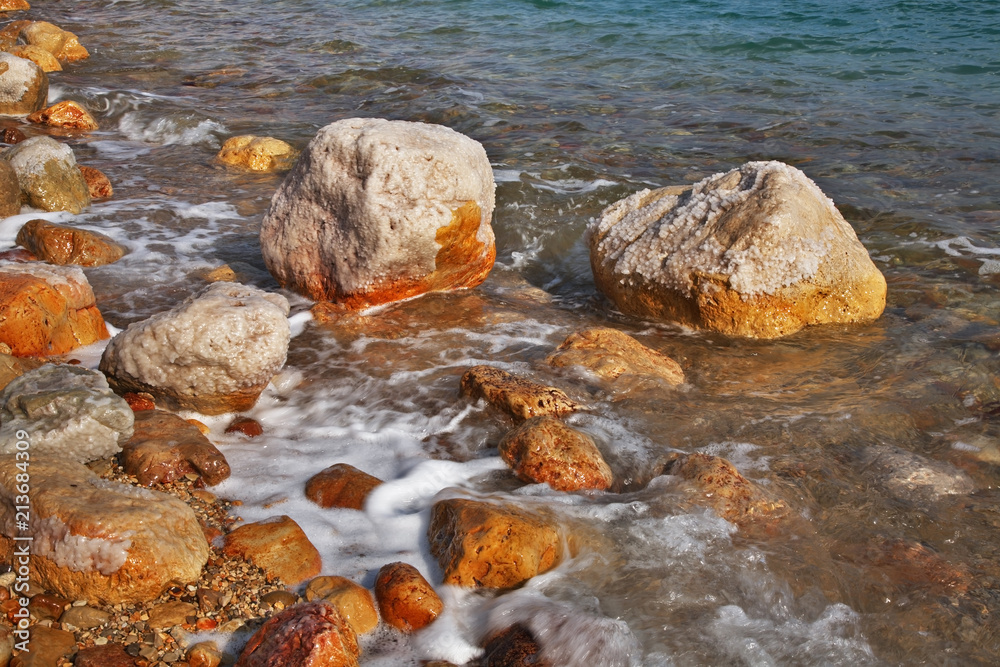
(48, 174)
(24, 87)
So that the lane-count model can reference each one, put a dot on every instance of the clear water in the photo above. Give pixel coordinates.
(893, 108)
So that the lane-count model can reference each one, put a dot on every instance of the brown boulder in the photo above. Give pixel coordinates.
(483, 545)
(278, 546)
(405, 599)
(109, 655)
(165, 448)
(251, 428)
(24, 87)
(46, 310)
(721, 486)
(341, 485)
(522, 399)
(61, 244)
(39, 56)
(98, 184)
(311, 634)
(353, 601)
(545, 450)
(10, 191)
(48, 646)
(610, 354)
(63, 44)
(12, 135)
(257, 153)
(513, 647)
(67, 115)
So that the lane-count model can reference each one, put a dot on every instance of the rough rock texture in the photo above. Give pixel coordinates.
(10, 191)
(48, 174)
(67, 114)
(758, 251)
(482, 545)
(513, 647)
(522, 399)
(311, 634)
(39, 56)
(341, 485)
(376, 211)
(109, 655)
(12, 135)
(12, 367)
(165, 448)
(610, 354)
(47, 310)
(257, 153)
(68, 411)
(545, 450)
(721, 486)
(60, 244)
(13, 5)
(48, 646)
(99, 540)
(278, 546)
(24, 87)
(63, 44)
(910, 476)
(405, 599)
(353, 601)
(213, 353)
(97, 183)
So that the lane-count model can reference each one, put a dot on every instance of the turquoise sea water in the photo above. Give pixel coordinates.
(893, 108)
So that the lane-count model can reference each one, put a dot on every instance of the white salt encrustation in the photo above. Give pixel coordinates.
(24, 87)
(48, 174)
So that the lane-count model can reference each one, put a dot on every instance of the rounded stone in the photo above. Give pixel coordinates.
(24, 87)
(405, 599)
(545, 450)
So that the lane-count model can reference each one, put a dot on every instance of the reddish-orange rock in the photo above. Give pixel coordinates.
(341, 485)
(311, 634)
(405, 599)
(139, 401)
(278, 546)
(610, 354)
(12, 135)
(97, 183)
(544, 449)
(721, 486)
(165, 448)
(517, 397)
(251, 428)
(13, 5)
(60, 244)
(66, 114)
(483, 545)
(353, 601)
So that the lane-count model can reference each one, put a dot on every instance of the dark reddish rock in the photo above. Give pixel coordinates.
(61, 244)
(44, 606)
(545, 450)
(405, 599)
(251, 428)
(517, 397)
(12, 135)
(278, 546)
(139, 401)
(513, 647)
(98, 184)
(341, 485)
(164, 448)
(311, 634)
(721, 486)
(109, 655)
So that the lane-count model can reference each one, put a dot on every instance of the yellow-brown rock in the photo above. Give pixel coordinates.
(545, 450)
(406, 600)
(720, 485)
(39, 56)
(13, 5)
(61, 244)
(257, 153)
(63, 44)
(341, 485)
(24, 87)
(98, 184)
(353, 601)
(10, 191)
(520, 398)
(164, 448)
(484, 545)
(46, 310)
(610, 354)
(278, 546)
(67, 114)
(204, 654)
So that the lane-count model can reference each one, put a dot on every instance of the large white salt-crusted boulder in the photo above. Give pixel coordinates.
(213, 353)
(68, 411)
(24, 87)
(375, 211)
(98, 540)
(758, 251)
(48, 174)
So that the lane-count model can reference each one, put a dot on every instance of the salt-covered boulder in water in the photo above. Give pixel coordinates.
(48, 175)
(214, 353)
(758, 251)
(376, 211)
(24, 87)
(96, 539)
(69, 411)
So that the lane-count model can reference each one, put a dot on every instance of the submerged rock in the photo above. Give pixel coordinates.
(341, 485)
(611, 354)
(907, 475)
(311, 634)
(520, 398)
(67, 114)
(48, 175)
(60, 244)
(758, 251)
(353, 601)
(100, 540)
(214, 353)
(257, 153)
(68, 411)
(406, 600)
(545, 450)
(24, 87)
(513, 647)
(377, 211)
(278, 546)
(165, 448)
(721, 486)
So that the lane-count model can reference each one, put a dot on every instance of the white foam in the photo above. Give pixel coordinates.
(9, 227)
(186, 131)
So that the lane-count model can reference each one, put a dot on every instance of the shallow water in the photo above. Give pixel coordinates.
(891, 107)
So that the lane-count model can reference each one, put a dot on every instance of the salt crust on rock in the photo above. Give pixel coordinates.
(100, 540)
(758, 251)
(48, 174)
(68, 411)
(213, 353)
(24, 87)
(376, 211)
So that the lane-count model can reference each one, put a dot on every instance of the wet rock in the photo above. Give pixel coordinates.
(214, 353)
(165, 448)
(405, 599)
(139, 401)
(721, 486)
(204, 654)
(98, 185)
(611, 354)
(12, 135)
(483, 545)
(311, 634)
(907, 475)
(24, 87)
(60, 244)
(10, 191)
(39, 56)
(257, 153)
(758, 251)
(63, 44)
(341, 485)
(251, 428)
(46, 310)
(100, 540)
(905, 564)
(68, 411)
(48, 646)
(353, 601)
(84, 617)
(279, 599)
(51, 607)
(6, 646)
(522, 399)
(109, 655)
(278, 546)
(67, 114)
(12, 367)
(513, 647)
(545, 450)
(48, 174)
(169, 614)
(377, 211)
(13, 5)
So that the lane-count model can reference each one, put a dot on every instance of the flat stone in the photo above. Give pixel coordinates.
(545, 450)
(62, 244)
(611, 354)
(405, 599)
(249, 427)
(341, 485)
(278, 546)
(353, 601)
(520, 398)
(109, 655)
(204, 654)
(48, 645)
(513, 647)
(165, 448)
(910, 476)
(84, 617)
(43, 606)
(169, 614)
